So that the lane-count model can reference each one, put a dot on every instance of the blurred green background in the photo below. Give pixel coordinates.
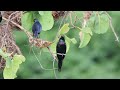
(99, 59)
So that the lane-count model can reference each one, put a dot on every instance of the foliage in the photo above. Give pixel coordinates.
(82, 60)
(12, 64)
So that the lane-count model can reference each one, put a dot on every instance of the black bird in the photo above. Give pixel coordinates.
(36, 28)
(0, 17)
(61, 49)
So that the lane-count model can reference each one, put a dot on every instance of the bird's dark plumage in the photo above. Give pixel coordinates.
(61, 48)
(36, 28)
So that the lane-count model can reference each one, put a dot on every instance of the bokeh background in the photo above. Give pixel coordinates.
(100, 59)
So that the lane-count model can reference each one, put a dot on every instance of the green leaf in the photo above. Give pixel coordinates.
(19, 58)
(41, 12)
(101, 24)
(87, 30)
(46, 20)
(64, 29)
(10, 73)
(27, 20)
(84, 38)
(68, 41)
(8, 62)
(73, 40)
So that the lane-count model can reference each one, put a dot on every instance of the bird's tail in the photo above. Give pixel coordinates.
(59, 66)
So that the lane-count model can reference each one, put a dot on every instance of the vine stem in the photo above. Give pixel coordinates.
(52, 54)
(54, 69)
(40, 63)
(112, 28)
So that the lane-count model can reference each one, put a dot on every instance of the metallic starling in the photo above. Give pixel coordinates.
(61, 49)
(36, 28)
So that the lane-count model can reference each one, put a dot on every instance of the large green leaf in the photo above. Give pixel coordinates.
(84, 39)
(10, 72)
(46, 20)
(27, 20)
(101, 24)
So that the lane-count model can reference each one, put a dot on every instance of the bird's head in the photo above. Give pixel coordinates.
(62, 40)
(35, 20)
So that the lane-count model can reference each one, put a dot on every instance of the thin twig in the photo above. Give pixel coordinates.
(52, 54)
(9, 18)
(15, 16)
(71, 19)
(54, 69)
(113, 30)
(40, 63)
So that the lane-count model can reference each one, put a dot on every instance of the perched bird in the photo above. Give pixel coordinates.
(36, 28)
(0, 17)
(61, 49)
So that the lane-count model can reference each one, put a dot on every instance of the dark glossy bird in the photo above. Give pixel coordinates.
(61, 49)
(36, 28)
(0, 17)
